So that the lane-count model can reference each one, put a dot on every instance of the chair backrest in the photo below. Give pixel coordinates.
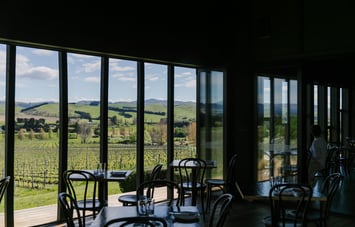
(192, 170)
(71, 212)
(289, 197)
(329, 187)
(151, 221)
(147, 189)
(88, 185)
(220, 210)
(231, 165)
(4, 183)
(156, 171)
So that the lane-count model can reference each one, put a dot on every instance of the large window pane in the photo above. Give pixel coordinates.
(36, 139)
(155, 115)
(122, 118)
(83, 111)
(184, 113)
(277, 127)
(2, 114)
(211, 119)
(263, 127)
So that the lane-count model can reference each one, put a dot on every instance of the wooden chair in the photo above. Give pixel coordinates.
(84, 191)
(131, 200)
(71, 211)
(146, 190)
(319, 212)
(225, 185)
(288, 205)
(192, 180)
(220, 210)
(4, 183)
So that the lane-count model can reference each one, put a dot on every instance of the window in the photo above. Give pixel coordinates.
(42, 88)
(36, 158)
(276, 125)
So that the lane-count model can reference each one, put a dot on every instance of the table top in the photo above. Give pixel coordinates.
(209, 164)
(109, 175)
(261, 192)
(164, 211)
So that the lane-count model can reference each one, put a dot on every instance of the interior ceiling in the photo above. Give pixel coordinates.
(180, 33)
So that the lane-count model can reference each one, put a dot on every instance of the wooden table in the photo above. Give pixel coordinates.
(164, 211)
(107, 176)
(209, 165)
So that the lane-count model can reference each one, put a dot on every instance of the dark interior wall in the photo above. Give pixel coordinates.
(303, 29)
(177, 33)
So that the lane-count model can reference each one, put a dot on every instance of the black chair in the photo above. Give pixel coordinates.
(71, 211)
(319, 212)
(82, 186)
(220, 210)
(288, 205)
(4, 183)
(146, 190)
(131, 200)
(225, 185)
(192, 180)
(331, 163)
(151, 221)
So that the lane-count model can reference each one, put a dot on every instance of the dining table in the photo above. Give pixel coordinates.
(260, 192)
(104, 177)
(186, 216)
(210, 164)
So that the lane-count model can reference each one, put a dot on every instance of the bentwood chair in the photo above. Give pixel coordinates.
(150, 221)
(4, 183)
(131, 200)
(220, 210)
(83, 187)
(71, 211)
(225, 185)
(192, 180)
(288, 205)
(146, 190)
(319, 212)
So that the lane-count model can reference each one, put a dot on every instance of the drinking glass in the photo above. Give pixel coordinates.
(150, 206)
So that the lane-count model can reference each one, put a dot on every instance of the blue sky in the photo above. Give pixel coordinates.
(37, 78)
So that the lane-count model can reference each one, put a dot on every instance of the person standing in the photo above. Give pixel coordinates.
(318, 152)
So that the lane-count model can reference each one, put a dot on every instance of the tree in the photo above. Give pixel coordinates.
(84, 130)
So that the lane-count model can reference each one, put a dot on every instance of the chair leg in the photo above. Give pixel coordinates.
(208, 203)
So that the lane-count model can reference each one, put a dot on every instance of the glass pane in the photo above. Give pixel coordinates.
(211, 119)
(37, 138)
(122, 118)
(155, 116)
(83, 111)
(2, 116)
(263, 128)
(217, 106)
(293, 122)
(184, 113)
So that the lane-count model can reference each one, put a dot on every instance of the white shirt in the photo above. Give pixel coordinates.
(319, 151)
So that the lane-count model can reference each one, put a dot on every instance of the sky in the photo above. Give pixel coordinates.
(37, 78)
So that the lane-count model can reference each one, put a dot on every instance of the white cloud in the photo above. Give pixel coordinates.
(37, 73)
(92, 79)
